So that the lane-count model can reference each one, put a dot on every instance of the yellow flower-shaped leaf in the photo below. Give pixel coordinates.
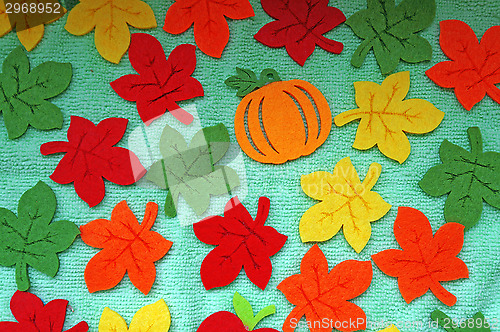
(391, 328)
(345, 202)
(110, 19)
(385, 116)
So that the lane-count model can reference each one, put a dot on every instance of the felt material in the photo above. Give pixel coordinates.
(321, 295)
(392, 32)
(244, 311)
(425, 260)
(282, 121)
(225, 321)
(32, 315)
(110, 19)
(477, 323)
(211, 30)
(345, 202)
(30, 238)
(475, 67)
(300, 26)
(246, 80)
(385, 116)
(242, 242)
(24, 93)
(127, 246)
(91, 156)
(468, 178)
(191, 170)
(152, 318)
(391, 328)
(161, 83)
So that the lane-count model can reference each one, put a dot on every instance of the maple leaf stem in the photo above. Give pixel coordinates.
(442, 294)
(149, 216)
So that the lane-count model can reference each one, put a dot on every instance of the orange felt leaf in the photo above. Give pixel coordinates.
(127, 247)
(211, 31)
(322, 296)
(425, 260)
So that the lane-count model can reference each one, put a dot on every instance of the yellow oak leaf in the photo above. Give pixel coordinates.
(110, 19)
(152, 318)
(391, 328)
(345, 202)
(385, 116)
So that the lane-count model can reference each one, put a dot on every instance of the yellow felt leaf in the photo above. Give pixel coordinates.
(385, 116)
(111, 322)
(110, 19)
(346, 202)
(391, 328)
(5, 26)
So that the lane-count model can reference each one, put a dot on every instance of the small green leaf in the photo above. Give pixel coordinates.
(245, 81)
(267, 311)
(477, 323)
(243, 310)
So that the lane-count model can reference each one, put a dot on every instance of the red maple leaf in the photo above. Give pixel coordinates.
(425, 260)
(161, 83)
(323, 296)
(475, 68)
(241, 242)
(91, 156)
(33, 316)
(300, 27)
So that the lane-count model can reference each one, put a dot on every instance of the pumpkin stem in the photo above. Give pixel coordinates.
(268, 76)
(246, 80)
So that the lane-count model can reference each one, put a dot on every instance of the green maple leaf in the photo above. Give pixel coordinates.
(23, 93)
(469, 177)
(477, 323)
(31, 238)
(391, 32)
(191, 171)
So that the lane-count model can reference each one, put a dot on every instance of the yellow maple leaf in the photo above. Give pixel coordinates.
(346, 202)
(385, 116)
(153, 318)
(110, 19)
(391, 328)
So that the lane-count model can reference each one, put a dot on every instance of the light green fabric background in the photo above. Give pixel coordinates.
(178, 278)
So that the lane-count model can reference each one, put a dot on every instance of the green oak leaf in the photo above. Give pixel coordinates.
(391, 32)
(31, 238)
(244, 311)
(477, 323)
(468, 177)
(192, 170)
(246, 80)
(23, 93)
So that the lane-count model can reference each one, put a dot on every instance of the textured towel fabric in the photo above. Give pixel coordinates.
(178, 278)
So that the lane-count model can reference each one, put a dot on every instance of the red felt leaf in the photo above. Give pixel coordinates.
(91, 156)
(33, 316)
(241, 242)
(475, 67)
(424, 260)
(161, 83)
(300, 25)
(225, 321)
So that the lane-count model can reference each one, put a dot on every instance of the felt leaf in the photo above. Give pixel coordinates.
(225, 321)
(345, 202)
(246, 80)
(300, 26)
(244, 311)
(24, 93)
(32, 315)
(425, 260)
(391, 328)
(192, 170)
(386, 117)
(161, 83)
(211, 31)
(31, 238)
(321, 295)
(127, 246)
(110, 19)
(474, 68)
(90, 156)
(242, 242)
(153, 317)
(468, 177)
(477, 323)
(391, 32)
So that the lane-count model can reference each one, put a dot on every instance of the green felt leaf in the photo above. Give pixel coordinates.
(391, 32)
(244, 311)
(468, 177)
(23, 93)
(477, 323)
(30, 238)
(246, 80)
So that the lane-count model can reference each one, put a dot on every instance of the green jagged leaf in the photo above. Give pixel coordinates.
(477, 323)
(30, 238)
(468, 177)
(244, 311)
(246, 80)
(23, 93)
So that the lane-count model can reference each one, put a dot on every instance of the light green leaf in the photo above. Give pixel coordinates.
(244, 311)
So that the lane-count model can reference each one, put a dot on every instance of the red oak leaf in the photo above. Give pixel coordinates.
(91, 156)
(161, 83)
(425, 260)
(323, 296)
(211, 31)
(241, 242)
(475, 68)
(300, 25)
(33, 316)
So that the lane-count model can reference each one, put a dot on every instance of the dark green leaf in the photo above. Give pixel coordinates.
(477, 323)
(245, 81)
